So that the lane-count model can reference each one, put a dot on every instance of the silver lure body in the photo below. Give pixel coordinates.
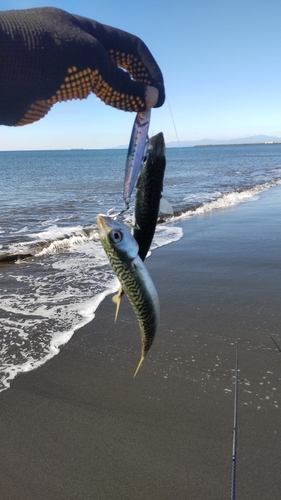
(122, 252)
(135, 152)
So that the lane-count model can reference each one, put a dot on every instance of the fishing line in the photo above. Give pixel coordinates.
(175, 128)
(182, 161)
(234, 432)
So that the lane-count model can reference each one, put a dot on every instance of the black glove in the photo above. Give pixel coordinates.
(48, 55)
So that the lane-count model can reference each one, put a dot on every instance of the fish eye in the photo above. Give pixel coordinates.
(116, 236)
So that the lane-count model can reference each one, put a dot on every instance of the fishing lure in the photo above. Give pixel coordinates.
(136, 151)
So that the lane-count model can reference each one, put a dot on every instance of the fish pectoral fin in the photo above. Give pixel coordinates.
(117, 300)
(165, 207)
(139, 365)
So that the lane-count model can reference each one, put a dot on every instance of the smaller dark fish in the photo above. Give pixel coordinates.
(149, 189)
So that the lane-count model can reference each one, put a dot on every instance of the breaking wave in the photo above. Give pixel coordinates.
(63, 243)
(223, 201)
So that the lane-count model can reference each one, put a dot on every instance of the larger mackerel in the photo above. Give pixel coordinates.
(122, 251)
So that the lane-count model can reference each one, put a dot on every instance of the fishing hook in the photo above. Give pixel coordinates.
(116, 215)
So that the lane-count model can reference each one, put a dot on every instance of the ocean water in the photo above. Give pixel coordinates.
(53, 270)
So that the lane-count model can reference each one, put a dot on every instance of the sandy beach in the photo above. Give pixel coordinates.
(81, 427)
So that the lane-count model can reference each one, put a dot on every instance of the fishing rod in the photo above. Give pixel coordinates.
(279, 349)
(234, 432)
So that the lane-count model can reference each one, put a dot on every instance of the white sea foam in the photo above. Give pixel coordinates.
(43, 238)
(200, 197)
(86, 311)
(164, 235)
(67, 243)
(45, 306)
(230, 199)
(55, 240)
(54, 232)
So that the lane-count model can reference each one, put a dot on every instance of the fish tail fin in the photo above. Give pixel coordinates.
(139, 365)
(117, 300)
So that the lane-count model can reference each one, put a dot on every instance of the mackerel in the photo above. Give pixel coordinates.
(122, 251)
(148, 196)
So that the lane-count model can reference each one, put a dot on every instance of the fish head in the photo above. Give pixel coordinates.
(157, 145)
(115, 236)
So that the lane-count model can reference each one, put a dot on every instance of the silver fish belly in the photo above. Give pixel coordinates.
(122, 252)
(135, 152)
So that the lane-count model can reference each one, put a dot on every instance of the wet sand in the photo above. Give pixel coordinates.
(81, 427)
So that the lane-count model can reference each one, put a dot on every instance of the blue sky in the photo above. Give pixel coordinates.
(220, 61)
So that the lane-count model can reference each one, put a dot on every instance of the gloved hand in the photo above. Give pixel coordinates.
(48, 56)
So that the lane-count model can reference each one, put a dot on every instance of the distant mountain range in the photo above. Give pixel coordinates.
(213, 142)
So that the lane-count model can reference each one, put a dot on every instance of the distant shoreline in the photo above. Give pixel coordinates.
(270, 143)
